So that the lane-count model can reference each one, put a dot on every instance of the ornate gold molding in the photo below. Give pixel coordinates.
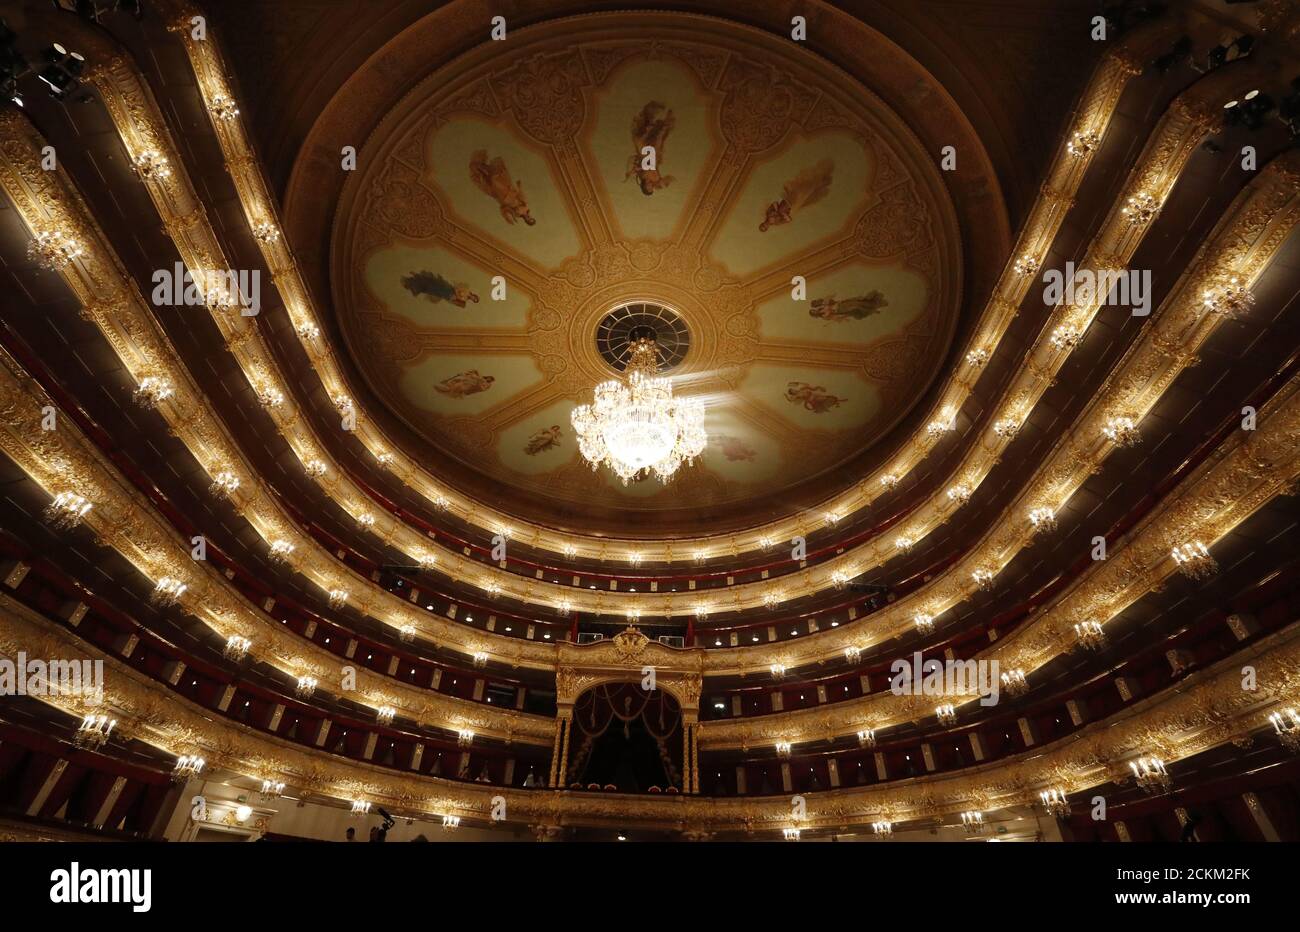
(1207, 709)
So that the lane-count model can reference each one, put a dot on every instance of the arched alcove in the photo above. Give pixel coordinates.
(626, 739)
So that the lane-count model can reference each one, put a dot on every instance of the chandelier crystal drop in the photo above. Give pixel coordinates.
(639, 428)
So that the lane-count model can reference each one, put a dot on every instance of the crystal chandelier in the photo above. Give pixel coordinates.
(93, 731)
(1287, 725)
(187, 765)
(1090, 634)
(946, 714)
(973, 822)
(1150, 774)
(54, 250)
(883, 829)
(867, 738)
(236, 647)
(1122, 431)
(66, 511)
(167, 592)
(1194, 560)
(272, 789)
(1014, 683)
(639, 428)
(1042, 519)
(1056, 803)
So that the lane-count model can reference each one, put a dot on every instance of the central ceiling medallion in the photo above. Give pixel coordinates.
(614, 334)
(637, 428)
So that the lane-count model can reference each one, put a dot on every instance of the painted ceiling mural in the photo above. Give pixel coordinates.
(505, 209)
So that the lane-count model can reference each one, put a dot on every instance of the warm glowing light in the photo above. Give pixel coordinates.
(639, 428)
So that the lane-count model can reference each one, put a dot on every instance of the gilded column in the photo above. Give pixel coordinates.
(686, 757)
(695, 758)
(566, 723)
(555, 752)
